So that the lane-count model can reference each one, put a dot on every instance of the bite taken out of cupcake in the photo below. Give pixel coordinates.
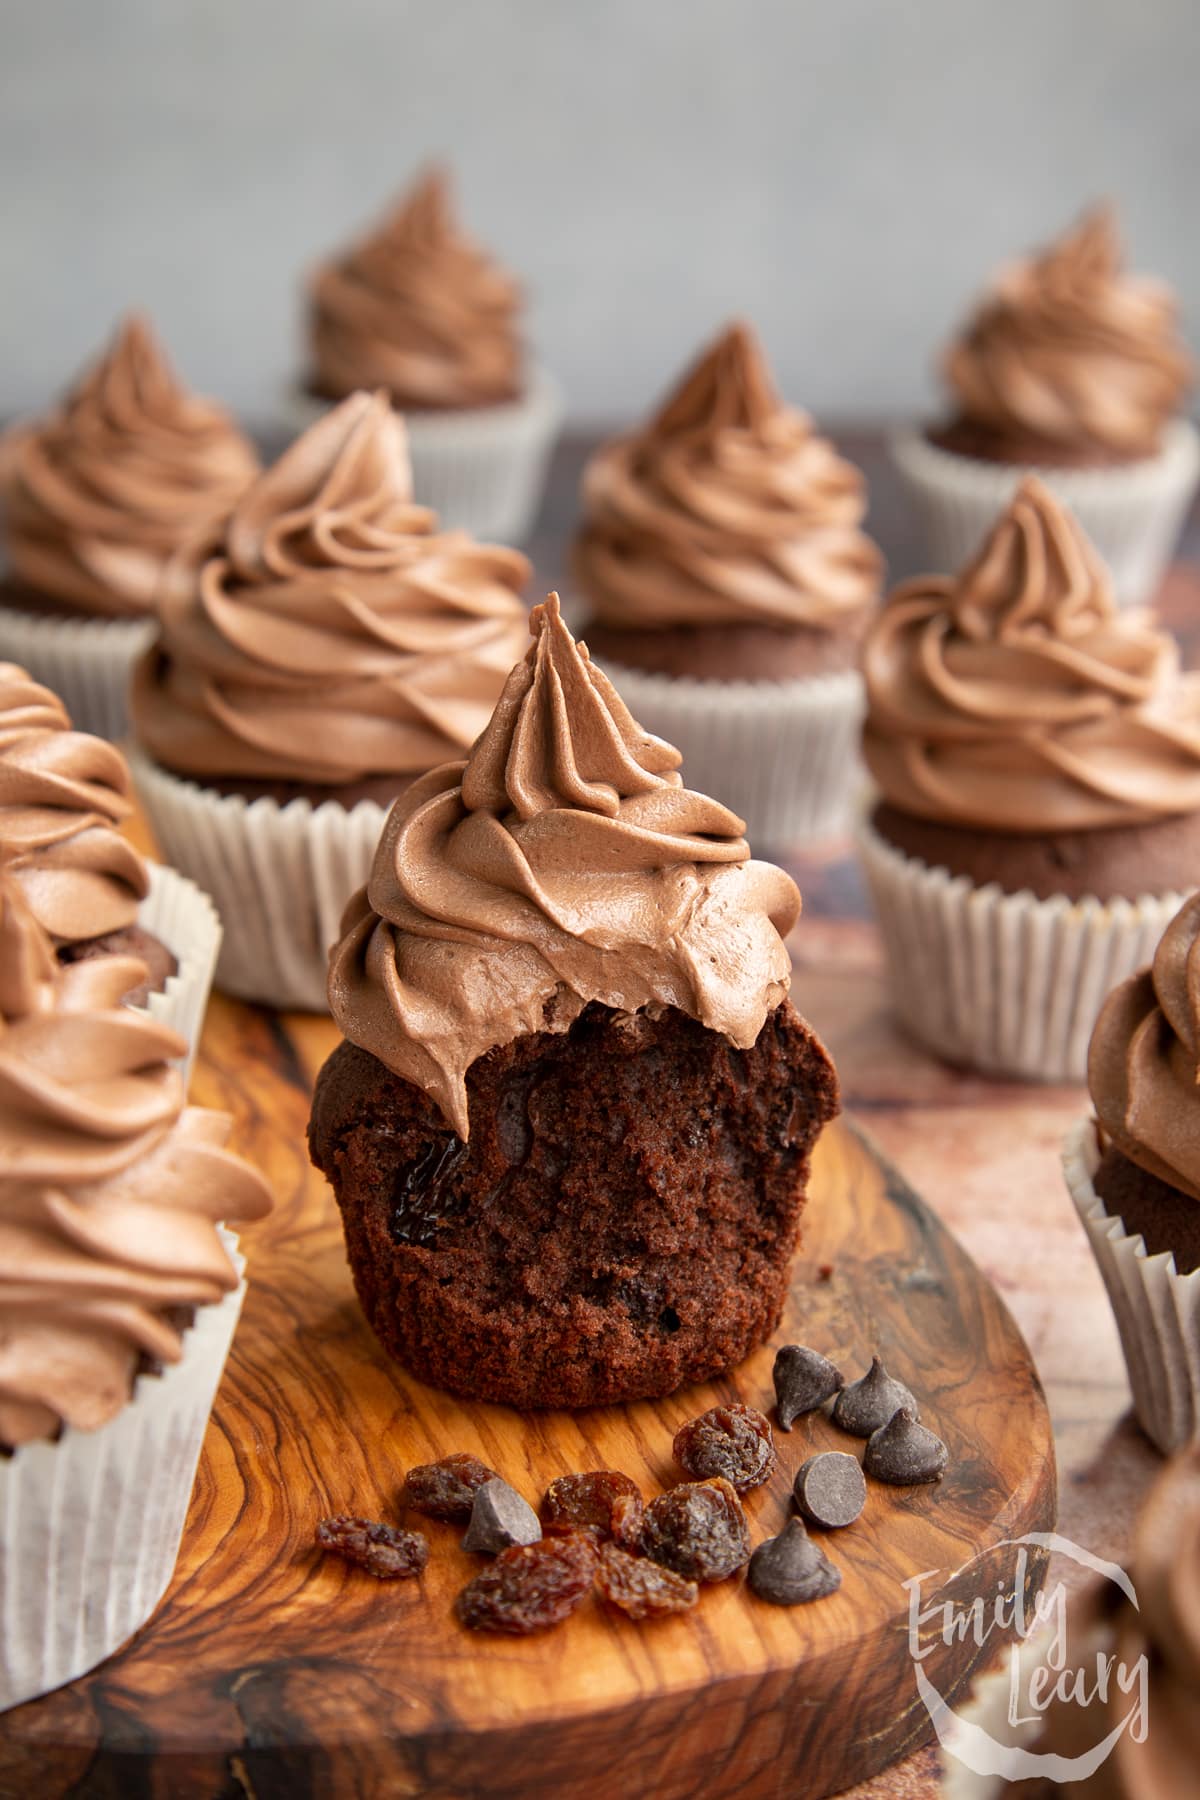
(725, 584)
(1037, 756)
(339, 646)
(110, 501)
(569, 1128)
(416, 307)
(119, 1294)
(1073, 368)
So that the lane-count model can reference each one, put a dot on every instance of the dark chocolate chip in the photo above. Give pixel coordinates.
(830, 1489)
(500, 1518)
(903, 1453)
(790, 1570)
(804, 1380)
(867, 1404)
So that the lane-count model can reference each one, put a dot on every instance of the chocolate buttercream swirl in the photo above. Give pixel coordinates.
(1144, 1059)
(340, 635)
(1015, 697)
(419, 309)
(1071, 349)
(727, 509)
(110, 1188)
(123, 488)
(564, 862)
(62, 796)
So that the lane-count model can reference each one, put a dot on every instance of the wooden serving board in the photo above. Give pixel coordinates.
(271, 1672)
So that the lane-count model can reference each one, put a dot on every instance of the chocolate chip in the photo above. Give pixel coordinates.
(867, 1404)
(500, 1518)
(804, 1380)
(830, 1490)
(903, 1453)
(790, 1570)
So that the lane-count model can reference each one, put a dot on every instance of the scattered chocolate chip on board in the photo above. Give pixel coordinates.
(804, 1381)
(865, 1405)
(791, 1570)
(903, 1453)
(830, 1490)
(499, 1519)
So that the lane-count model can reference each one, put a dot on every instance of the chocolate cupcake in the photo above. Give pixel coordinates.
(1074, 369)
(109, 501)
(119, 1294)
(1134, 1174)
(726, 585)
(63, 797)
(1038, 760)
(419, 309)
(338, 647)
(570, 1125)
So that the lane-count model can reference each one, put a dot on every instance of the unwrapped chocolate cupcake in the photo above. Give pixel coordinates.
(1134, 1175)
(418, 308)
(109, 502)
(119, 1294)
(725, 585)
(1075, 369)
(340, 646)
(569, 1129)
(1037, 756)
(63, 797)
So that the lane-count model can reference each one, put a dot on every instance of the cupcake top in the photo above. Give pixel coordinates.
(563, 862)
(339, 634)
(1144, 1059)
(62, 796)
(1069, 348)
(110, 1187)
(123, 486)
(419, 309)
(726, 509)
(1015, 697)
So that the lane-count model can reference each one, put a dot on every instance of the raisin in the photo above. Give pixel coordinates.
(446, 1489)
(641, 1588)
(734, 1442)
(382, 1550)
(698, 1529)
(530, 1587)
(602, 1500)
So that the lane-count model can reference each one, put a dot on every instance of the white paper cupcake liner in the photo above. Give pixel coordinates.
(1133, 515)
(279, 876)
(1157, 1310)
(86, 662)
(783, 755)
(1004, 983)
(184, 918)
(482, 470)
(91, 1525)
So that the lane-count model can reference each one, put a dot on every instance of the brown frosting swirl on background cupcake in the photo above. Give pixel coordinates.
(1070, 349)
(339, 635)
(726, 509)
(110, 1188)
(124, 486)
(62, 796)
(416, 307)
(1144, 1060)
(564, 862)
(1015, 697)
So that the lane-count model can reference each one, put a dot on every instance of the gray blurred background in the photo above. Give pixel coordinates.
(844, 172)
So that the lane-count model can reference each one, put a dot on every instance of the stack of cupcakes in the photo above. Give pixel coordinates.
(418, 309)
(110, 502)
(726, 584)
(1072, 369)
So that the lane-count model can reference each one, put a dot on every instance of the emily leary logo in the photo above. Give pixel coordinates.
(1043, 1668)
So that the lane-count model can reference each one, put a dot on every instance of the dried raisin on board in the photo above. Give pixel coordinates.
(530, 1587)
(641, 1588)
(698, 1529)
(382, 1550)
(446, 1489)
(734, 1442)
(600, 1500)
